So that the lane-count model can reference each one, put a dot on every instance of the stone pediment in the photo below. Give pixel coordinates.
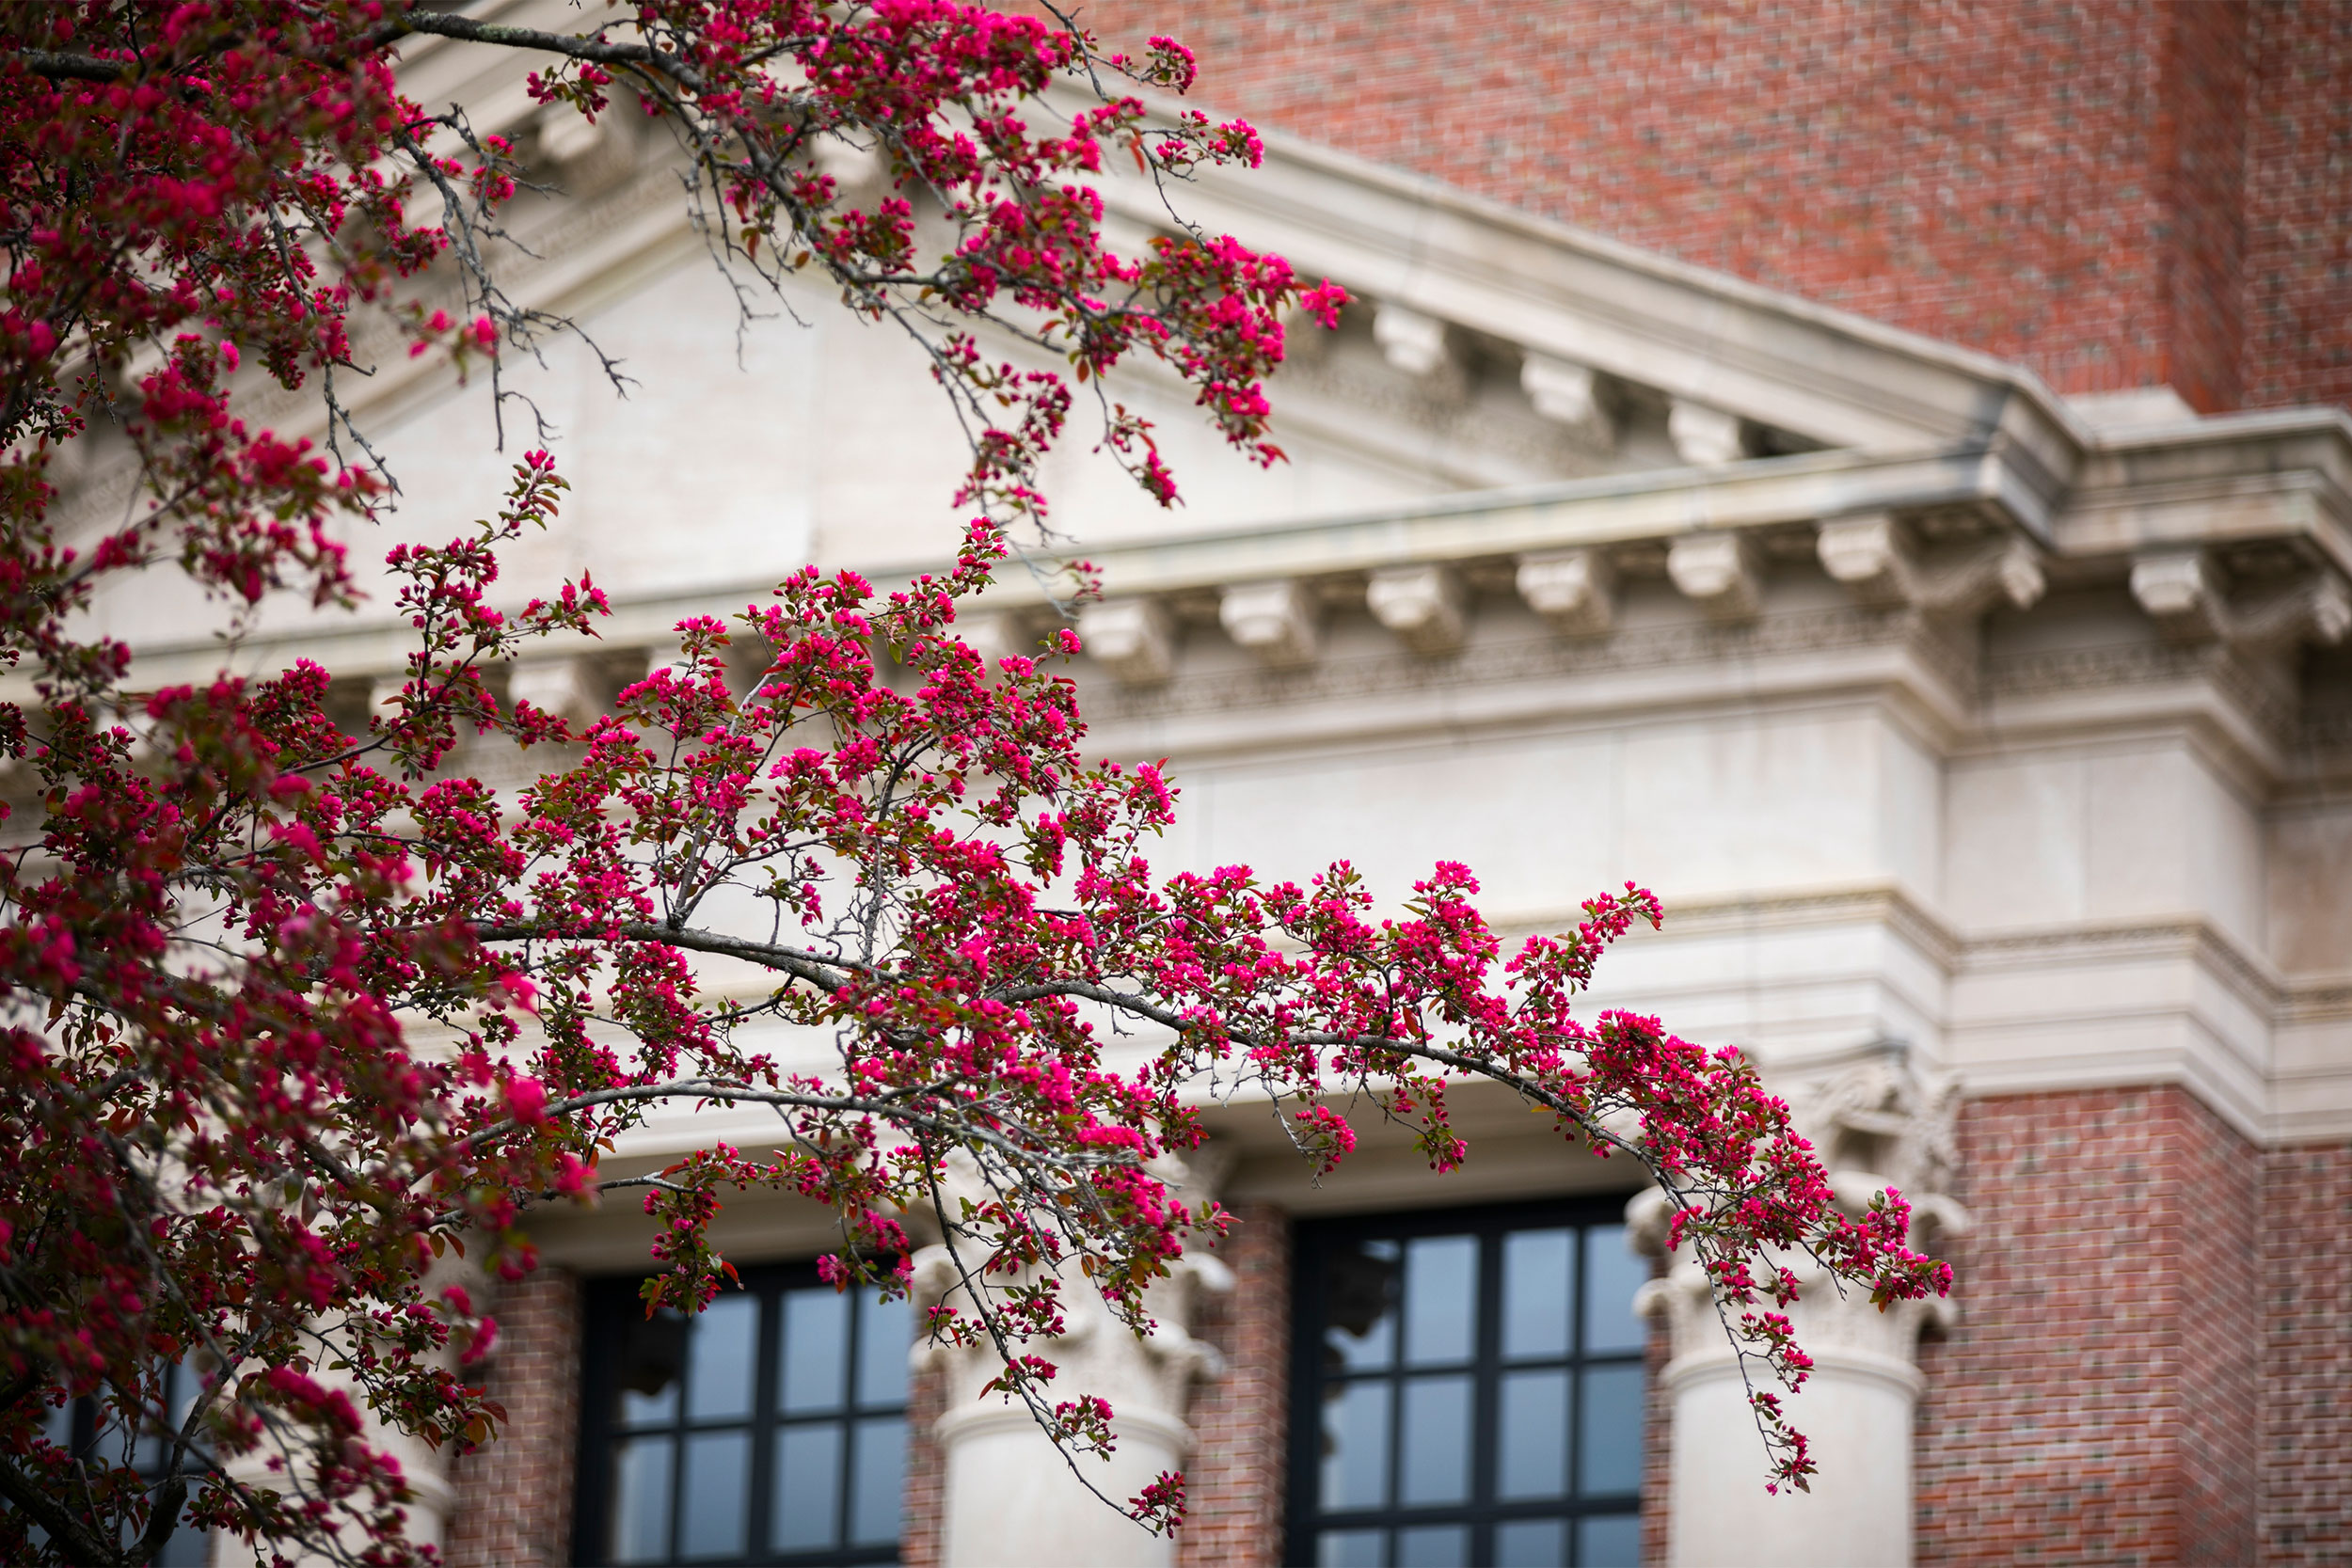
(1520, 425)
(1735, 369)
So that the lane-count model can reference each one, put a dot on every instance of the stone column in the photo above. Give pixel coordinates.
(1876, 1122)
(1011, 1498)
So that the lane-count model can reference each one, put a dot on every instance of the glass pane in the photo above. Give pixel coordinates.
(808, 1488)
(1356, 1447)
(878, 1482)
(815, 1349)
(1359, 1308)
(1531, 1447)
(57, 1424)
(1538, 1292)
(640, 1500)
(718, 1486)
(1348, 1548)
(1609, 1431)
(719, 1356)
(653, 1351)
(1612, 1274)
(1613, 1540)
(1440, 1299)
(1437, 1441)
(1533, 1543)
(886, 1332)
(188, 1548)
(1434, 1546)
(147, 1448)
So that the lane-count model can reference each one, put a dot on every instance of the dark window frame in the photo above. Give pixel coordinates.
(1315, 1240)
(76, 1427)
(612, 1310)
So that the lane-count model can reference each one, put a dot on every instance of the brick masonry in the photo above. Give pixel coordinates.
(2116, 193)
(1240, 1419)
(927, 1470)
(514, 1504)
(2298, 242)
(2305, 1496)
(2099, 1400)
(1657, 1441)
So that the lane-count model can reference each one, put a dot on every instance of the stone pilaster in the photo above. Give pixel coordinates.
(1008, 1496)
(1877, 1122)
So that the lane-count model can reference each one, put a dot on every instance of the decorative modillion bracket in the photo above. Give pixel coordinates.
(1423, 605)
(1874, 556)
(2184, 593)
(1277, 621)
(1720, 572)
(1568, 395)
(1574, 590)
(1705, 438)
(1130, 638)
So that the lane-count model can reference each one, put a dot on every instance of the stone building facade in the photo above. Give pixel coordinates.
(1879, 475)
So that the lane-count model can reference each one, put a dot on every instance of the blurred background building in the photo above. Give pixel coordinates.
(1878, 473)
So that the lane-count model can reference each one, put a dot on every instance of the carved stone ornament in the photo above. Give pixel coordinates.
(1275, 620)
(1720, 572)
(1410, 341)
(1130, 638)
(1574, 590)
(1568, 395)
(1705, 438)
(1873, 555)
(1421, 604)
(2184, 593)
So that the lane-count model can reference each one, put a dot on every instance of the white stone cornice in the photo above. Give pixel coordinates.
(1619, 509)
(2240, 477)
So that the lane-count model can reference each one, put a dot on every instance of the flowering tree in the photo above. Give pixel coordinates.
(291, 1013)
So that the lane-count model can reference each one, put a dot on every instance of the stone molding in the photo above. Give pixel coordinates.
(1649, 647)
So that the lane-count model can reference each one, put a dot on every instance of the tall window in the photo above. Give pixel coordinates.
(772, 1429)
(1468, 1390)
(77, 1427)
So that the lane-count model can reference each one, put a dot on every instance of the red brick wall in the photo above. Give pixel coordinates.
(2201, 155)
(1234, 1485)
(2098, 1400)
(513, 1501)
(1657, 1441)
(927, 1470)
(2306, 1513)
(2071, 183)
(2299, 248)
